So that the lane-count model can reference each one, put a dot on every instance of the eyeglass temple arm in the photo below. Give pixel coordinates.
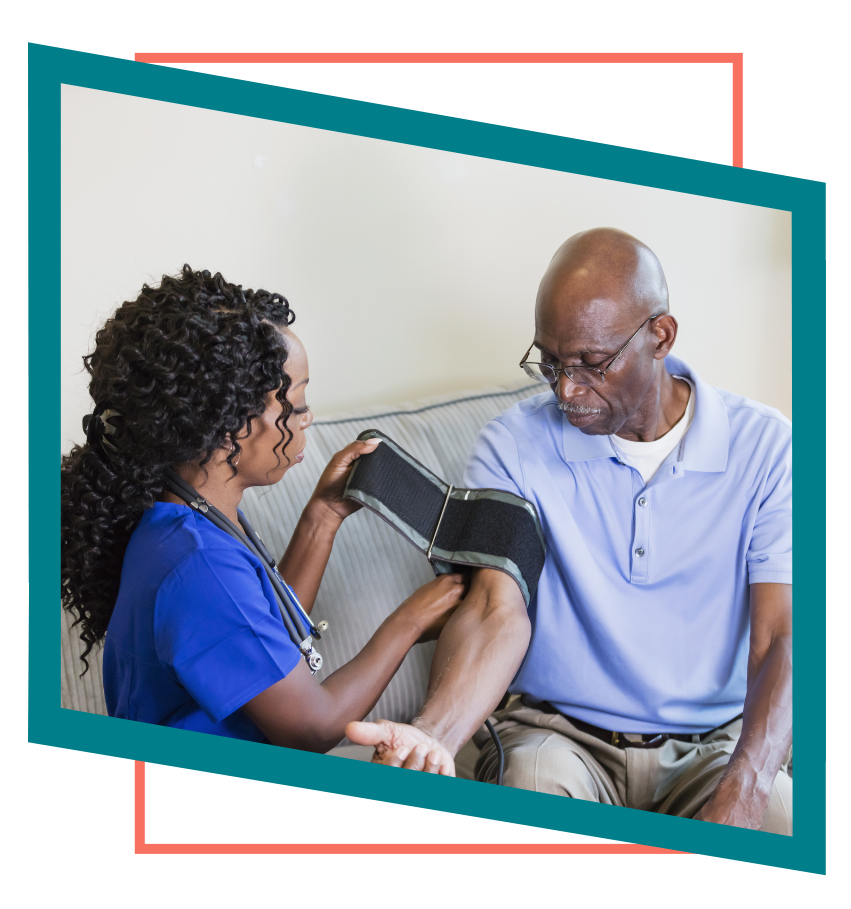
(558, 369)
(637, 330)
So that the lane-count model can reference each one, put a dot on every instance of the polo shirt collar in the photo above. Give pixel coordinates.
(706, 443)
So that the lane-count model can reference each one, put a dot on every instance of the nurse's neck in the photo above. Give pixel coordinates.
(215, 482)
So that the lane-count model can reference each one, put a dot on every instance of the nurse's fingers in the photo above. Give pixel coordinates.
(353, 451)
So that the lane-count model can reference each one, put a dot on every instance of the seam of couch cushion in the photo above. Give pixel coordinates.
(372, 569)
(417, 407)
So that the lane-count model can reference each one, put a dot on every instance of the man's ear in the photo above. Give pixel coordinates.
(665, 329)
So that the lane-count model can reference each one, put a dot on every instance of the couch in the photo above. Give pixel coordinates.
(372, 569)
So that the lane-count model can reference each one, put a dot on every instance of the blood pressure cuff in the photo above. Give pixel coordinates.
(454, 527)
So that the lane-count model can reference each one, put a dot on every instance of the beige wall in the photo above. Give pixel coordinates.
(411, 271)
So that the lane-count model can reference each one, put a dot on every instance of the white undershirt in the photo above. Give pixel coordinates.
(648, 457)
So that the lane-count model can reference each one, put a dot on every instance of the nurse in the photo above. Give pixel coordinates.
(206, 378)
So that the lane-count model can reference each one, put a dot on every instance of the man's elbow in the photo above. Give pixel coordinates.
(494, 601)
(783, 644)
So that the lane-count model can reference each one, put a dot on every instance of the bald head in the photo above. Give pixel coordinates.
(605, 267)
(599, 291)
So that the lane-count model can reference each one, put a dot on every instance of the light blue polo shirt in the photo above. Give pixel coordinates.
(641, 619)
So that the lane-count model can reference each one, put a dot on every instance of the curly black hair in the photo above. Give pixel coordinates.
(183, 365)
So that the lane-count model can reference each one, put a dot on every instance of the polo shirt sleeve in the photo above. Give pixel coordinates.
(494, 462)
(770, 550)
(218, 632)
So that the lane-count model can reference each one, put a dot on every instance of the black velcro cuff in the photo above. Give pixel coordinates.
(485, 528)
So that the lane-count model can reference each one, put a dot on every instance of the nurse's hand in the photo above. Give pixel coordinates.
(400, 745)
(328, 495)
(431, 606)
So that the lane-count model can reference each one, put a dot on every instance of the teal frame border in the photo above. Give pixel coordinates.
(50, 724)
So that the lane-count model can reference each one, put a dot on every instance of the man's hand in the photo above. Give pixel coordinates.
(399, 745)
(477, 655)
(735, 804)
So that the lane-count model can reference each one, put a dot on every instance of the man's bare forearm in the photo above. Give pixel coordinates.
(744, 790)
(765, 740)
(477, 656)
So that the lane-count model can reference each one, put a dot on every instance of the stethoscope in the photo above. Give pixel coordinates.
(301, 630)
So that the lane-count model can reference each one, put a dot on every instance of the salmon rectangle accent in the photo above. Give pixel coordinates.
(790, 129)
(141, 846)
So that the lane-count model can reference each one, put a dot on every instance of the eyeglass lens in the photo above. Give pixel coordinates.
(579, 375)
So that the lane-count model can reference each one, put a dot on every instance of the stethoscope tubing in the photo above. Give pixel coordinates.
(293, 616)
(252, 535)
(292, 613)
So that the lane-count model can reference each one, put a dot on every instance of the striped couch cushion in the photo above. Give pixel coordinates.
(372, 569)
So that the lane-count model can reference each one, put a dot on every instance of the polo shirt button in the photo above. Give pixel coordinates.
(639, 552)
(642, 501)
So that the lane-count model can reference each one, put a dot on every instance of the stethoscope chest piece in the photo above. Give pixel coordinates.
(312, 656)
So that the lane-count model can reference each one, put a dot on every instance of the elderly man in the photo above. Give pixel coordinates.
(658, 673)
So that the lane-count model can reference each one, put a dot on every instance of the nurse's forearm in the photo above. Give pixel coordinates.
(478, 654)
(354, 689)
(303, 564)
(297, 713)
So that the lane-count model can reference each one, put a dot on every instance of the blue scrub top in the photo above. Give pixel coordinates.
(196, 632)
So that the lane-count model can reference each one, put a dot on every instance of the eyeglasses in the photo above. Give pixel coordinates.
(579, 375)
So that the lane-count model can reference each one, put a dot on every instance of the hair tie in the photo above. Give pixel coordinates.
(96, 426)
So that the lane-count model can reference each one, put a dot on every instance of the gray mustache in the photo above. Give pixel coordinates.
(573, 408)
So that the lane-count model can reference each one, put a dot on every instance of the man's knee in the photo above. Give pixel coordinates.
(778, 815)
(541, 761)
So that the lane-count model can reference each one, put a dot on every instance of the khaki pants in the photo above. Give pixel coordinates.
(545, 752)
